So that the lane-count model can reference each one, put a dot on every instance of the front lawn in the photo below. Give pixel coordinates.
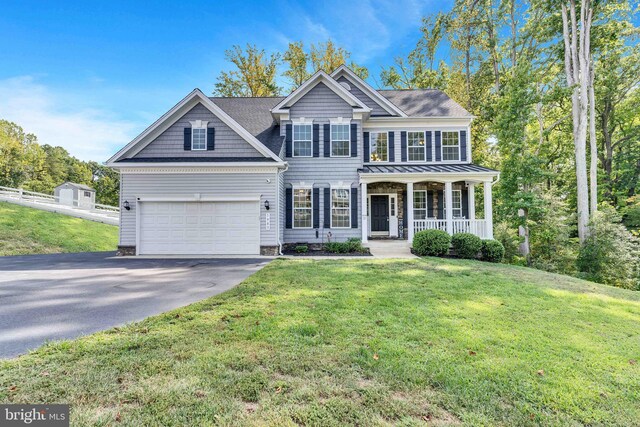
(25, 231)
(359, 342)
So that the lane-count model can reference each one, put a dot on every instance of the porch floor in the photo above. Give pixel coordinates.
(390, 248)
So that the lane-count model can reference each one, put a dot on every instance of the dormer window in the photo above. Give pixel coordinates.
(302, 142)
(450, 146)
(199, 135)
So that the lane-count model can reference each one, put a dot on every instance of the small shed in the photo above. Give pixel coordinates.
(73, 194)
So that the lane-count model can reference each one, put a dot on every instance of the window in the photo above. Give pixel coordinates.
(379, 145)
(302, 145)
(340, 208)
(393, 206)
(302, 208)
(340, 140)
(419, 205)
(450, 146)
(199, 138)
(457, 203)
(87, 194)
(416, 146)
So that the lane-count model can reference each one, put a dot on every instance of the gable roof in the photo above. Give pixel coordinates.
(320, 77)
(425, 103)
(174, 114)
(369, 91)
(80, 186)
(254, 114)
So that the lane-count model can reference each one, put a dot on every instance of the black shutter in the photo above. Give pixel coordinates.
(316, 208)
(405, 215)
(211, 138)
(463, 145)
(289, 207)
(327, 208)
(465, 203)
(440, 204)
(392, 147)
(429, 147)
(354, 208)
(316, 140)
(403, 145)
(288, 139)
(365, 152)
(438, 147)
(327, 140)
(354, 140)
(187, 139)
(430, 203)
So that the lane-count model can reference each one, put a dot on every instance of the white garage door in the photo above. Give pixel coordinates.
(199, 228)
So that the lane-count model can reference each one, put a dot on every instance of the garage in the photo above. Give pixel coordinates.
(199, 228)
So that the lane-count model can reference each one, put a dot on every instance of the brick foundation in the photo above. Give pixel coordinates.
(269, 250)
(126, 250)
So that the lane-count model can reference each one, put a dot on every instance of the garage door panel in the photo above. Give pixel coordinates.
(199, 228)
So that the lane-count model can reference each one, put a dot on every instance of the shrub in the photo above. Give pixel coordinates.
(492, 250)
(610, 254)
(431, 243)
(350, 246)
(508, 236)
(466, 245)
(302, 249)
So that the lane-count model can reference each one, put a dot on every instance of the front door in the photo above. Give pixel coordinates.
(379, 213)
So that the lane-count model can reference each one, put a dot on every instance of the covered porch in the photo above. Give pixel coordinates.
(400, 203)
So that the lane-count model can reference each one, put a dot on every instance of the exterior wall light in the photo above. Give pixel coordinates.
(126, 205)
(266, 204)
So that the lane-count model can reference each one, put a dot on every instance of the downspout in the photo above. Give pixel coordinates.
(279, 176)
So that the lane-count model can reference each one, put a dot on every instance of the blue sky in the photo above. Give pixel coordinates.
(91, 75)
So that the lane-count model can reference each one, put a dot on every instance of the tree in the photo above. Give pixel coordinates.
(255, 74)
(297, 59)
(577, 60)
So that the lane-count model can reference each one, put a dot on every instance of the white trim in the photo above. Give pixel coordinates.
(370, 145)
(302, 121)
(179, 169)
(194, 128)
(442, 147)
(198, 198)
(441, 177)
(453, 191)
(339, 123)
(373, 94)
(426, 203)
(424, 135)
(418, 123)
(331, 207)
(293, 205)
(313, 81)
(390, 217)
(172, 116)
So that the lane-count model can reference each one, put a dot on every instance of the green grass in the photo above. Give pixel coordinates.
(359, 342)
(26, 231)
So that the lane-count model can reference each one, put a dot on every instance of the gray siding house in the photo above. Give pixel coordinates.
(336, 159)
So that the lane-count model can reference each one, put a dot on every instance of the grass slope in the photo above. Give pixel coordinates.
(359, 342)
(26, 231)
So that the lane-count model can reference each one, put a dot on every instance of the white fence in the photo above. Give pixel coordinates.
(92, 211)
(473, 226)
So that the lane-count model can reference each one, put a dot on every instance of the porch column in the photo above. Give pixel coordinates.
(472, 201)
(488, 208)
(409, 214)
(365, 214)
(448, 198)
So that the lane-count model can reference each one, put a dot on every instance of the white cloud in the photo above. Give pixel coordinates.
(88, 133)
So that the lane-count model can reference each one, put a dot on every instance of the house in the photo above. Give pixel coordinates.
(335, 159)
(73, 194)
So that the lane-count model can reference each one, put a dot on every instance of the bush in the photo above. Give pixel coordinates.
(302, 249)
(350, 246)
(508, 236)
(431, 243)
(466, 245)
(610, 254)
(492, 250)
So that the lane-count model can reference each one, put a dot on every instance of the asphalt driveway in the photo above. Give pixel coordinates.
(52, 297)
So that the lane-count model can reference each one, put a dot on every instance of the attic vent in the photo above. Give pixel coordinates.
(345, 85)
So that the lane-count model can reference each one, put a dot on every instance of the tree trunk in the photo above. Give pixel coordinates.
(593, 172)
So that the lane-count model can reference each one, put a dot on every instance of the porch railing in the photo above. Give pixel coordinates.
(473, 226)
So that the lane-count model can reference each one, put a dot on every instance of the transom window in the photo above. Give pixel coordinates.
(302, 143)
(302, 208)
(450, 146)
(416, 147)
(199, 139)
(340, 140)
(340, 208)
(419, 205)
(456, 203)
(379, 147)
